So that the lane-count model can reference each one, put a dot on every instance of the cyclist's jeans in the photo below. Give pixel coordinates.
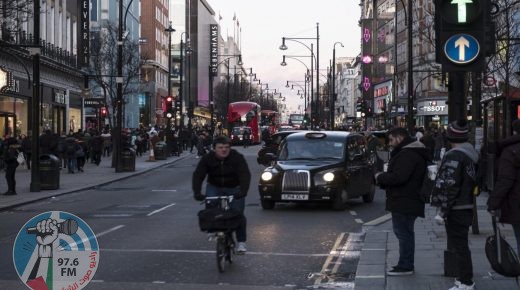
(237, 204)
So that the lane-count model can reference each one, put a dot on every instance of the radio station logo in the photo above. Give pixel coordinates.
(56, 250)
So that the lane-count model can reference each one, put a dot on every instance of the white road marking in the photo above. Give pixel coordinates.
(159, 210)
(113, 215)
(352, 212)
(159, 282)
(210, 252)
(359, 221)
(162, 190)
(97, 281)
(345, 252)
(378, 220)
(330, 257)
(110, 230)
(371, 277)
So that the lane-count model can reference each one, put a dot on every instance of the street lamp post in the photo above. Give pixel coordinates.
(169, 120)
(119, 82)
(211, 76)
(333, 99)
(283, 63)
(35, 105)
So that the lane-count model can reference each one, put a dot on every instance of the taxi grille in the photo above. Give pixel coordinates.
(296, 181)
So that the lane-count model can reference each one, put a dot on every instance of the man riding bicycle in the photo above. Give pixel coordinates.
(228, 174)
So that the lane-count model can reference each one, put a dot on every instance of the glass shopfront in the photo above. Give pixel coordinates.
(13, 116)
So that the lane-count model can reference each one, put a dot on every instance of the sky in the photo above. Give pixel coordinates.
(265, 22)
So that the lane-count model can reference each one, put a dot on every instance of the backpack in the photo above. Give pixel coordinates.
(501, 255)
(70, 148)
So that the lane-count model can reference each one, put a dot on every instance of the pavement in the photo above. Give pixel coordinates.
(93, 176)
(381, 251)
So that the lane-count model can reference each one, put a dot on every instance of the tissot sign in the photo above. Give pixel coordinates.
(213, 47)
(432, 108)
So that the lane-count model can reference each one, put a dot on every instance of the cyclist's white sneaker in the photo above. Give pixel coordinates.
(241, 249)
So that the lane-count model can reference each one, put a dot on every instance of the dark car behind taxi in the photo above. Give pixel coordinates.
(325, 166)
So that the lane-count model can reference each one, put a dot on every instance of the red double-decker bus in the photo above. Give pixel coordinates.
(270, 119)
(245, 114)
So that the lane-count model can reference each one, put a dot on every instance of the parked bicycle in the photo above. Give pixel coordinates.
(220, 220)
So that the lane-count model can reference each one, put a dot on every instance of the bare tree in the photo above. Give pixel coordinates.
(12, 14)
(103, 66)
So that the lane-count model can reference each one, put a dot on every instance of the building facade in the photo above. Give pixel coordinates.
(61, 76)
(154, 61)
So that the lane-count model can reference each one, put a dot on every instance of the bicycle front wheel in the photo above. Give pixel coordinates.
(221, 254)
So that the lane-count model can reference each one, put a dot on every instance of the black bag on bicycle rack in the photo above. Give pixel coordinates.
(218, 219)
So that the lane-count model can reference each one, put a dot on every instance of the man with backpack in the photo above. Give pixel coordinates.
(403, 182)
(453, 195)
(505, 197)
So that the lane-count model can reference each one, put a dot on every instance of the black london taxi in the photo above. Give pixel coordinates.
(324, 166)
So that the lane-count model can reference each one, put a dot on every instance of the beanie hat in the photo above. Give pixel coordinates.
(458, 131)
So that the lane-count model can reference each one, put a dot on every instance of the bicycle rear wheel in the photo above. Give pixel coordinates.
(221, 254)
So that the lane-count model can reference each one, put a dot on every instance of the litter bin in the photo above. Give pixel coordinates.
(128, 160)
(49, 171)
(160, 150)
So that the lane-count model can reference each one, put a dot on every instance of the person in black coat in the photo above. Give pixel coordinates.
(403, 181)
(10, 153)
(505, 197)
(228, 174)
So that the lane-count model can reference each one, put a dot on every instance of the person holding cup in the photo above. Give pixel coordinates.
(403, 181)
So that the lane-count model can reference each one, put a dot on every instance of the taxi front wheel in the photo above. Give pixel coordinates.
(267, 204)
(340, 200)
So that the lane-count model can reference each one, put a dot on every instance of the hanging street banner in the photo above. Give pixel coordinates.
(213, 47)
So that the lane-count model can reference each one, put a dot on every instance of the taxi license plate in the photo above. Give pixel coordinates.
(295, 196)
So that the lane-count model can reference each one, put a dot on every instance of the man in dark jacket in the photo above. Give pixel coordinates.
(506, 194)
(453, 195)
(228, 174)
(403, 181)
(11, 151)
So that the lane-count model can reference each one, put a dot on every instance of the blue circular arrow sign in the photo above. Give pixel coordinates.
(461, 48)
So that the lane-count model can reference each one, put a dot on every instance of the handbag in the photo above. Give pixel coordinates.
(20, 159)
(501, 255)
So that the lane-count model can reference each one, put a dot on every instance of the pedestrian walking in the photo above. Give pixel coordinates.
(247, 137)
(453, 195)
(70, 152)
(403, 181)
(96, 148)
(505, 197)
(11, 151)
(26, 149)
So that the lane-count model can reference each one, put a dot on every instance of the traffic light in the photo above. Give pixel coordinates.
(463, 39)
(168, 107)
(178, 104)
(103, 112)
(359, 105)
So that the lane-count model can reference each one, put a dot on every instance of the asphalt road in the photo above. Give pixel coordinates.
(148, 235)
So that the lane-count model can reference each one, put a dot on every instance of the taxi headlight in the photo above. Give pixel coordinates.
(328, 177)
(266, 176)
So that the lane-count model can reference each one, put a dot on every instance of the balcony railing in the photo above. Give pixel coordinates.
(49, 50)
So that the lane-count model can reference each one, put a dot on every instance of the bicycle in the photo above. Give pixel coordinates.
(220, 222)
